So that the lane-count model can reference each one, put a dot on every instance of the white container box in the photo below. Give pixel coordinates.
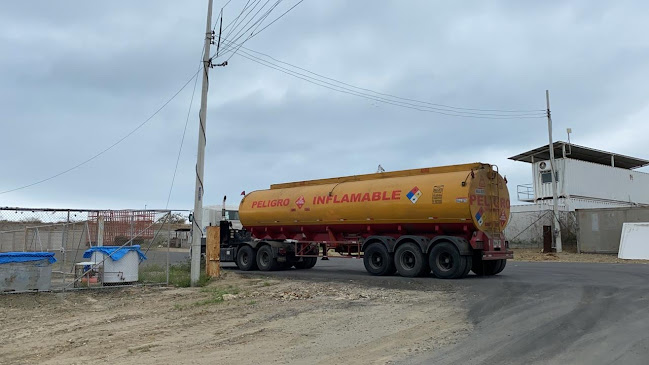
(119, 264)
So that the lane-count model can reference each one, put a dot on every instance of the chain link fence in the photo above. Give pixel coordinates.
(71, 233)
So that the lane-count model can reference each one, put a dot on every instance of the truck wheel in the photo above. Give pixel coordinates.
(446, 262)
(246, 260)
(377, 260)
(409, 260)
(265, 259)
(306, 263)
(486, 267)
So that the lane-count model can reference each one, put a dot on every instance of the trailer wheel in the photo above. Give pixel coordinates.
(378, 260)
(246, 259)
(486, 267)
(503, 263)
(469, 265)
(446, 262)
(265, 259)
(306, 263)
(409, 260)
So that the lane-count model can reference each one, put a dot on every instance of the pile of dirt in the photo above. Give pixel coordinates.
(234, 320)
(536, 255)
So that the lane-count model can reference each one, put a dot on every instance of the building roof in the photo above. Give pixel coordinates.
(582, 153)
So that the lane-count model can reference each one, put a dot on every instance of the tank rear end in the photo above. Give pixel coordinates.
(490, 209)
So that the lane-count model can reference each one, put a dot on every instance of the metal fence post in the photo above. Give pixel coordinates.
(168, 245)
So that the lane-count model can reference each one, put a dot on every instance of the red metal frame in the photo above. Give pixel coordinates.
(126, 223)
(332, 237)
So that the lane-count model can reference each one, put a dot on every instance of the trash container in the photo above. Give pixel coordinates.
(23, 271)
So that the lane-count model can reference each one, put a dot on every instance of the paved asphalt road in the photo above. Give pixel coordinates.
(532, 313)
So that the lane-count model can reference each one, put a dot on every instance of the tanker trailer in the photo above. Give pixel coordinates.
(447, 219)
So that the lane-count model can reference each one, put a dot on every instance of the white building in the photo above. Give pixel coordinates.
(586, 178)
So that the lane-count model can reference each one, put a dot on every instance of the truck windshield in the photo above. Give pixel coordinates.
(232, 215)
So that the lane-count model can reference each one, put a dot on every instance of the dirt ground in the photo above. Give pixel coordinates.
(528, 254)
(234, 320)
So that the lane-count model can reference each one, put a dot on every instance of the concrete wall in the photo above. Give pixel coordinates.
(600, 229)
(525, 227)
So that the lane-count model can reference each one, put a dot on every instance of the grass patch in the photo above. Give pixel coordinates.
(216, 295)
(179, 274)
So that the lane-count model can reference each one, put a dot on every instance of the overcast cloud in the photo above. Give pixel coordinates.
(75, 76)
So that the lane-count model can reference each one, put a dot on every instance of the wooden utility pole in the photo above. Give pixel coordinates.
(556, 228)
(197, 221)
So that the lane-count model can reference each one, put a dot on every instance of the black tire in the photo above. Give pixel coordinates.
(446, 262)
(469, 265)
(265, 259)
(378, 260)
(409, 261)
(486, 267)
(503, 263)
(306, 263)
(246, 258)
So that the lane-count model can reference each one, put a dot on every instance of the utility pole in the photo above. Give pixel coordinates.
(197, 221)
(556, 228)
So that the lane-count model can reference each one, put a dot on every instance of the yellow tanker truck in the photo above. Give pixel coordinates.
(447, 219)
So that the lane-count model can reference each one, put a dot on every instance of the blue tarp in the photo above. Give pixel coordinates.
(7, 257)
(115, 252)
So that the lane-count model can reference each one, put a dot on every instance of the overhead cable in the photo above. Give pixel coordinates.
(385, 98)
(250, 29)
(255, 33)
(521, 111)
(109, 147)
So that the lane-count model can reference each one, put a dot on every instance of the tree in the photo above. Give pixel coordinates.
(175, 218)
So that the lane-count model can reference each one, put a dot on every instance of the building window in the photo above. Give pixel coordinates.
(546, 177)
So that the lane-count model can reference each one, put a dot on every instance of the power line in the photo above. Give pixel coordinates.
(182, 140)
(220, 15)
(522, 111)
(236, 22)
(252, 35)
(278, 18)
(533, 112)
(402, 104)
(256, 25)
(110, 147)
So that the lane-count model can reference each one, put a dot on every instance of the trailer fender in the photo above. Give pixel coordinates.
(387, 241)
(462, 244)
(422, 242)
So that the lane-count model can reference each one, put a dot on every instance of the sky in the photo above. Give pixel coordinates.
(77, 76)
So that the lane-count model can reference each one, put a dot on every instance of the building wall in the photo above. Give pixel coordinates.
(525, 227)
(544, 190)
(587, 179)
(600, 229)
